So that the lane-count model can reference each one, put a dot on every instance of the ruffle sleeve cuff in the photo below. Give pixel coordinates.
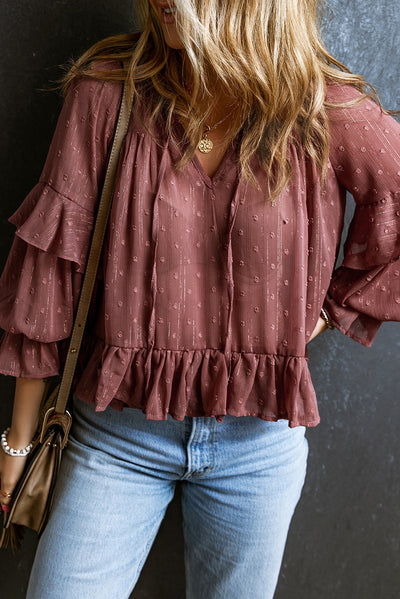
(41, 281)
(53, 223)
(365, 290)
(26, 358)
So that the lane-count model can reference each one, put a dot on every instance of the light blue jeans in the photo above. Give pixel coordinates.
(241, 481)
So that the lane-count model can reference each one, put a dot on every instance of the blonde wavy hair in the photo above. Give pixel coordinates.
(268, 57)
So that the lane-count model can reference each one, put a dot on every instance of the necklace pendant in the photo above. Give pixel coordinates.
(206, 145)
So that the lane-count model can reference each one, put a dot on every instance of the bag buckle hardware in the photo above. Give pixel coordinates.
(63, 420)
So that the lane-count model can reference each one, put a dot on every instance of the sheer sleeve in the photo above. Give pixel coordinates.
(41, 280)
(365, 154)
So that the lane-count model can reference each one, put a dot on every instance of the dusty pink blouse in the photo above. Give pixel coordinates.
(206, 293)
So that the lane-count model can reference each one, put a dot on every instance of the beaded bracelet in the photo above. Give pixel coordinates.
(14, 452)
(325, 316)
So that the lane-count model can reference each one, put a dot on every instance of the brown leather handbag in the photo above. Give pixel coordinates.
(33, 495)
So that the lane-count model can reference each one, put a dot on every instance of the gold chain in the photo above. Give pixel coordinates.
(206, 145)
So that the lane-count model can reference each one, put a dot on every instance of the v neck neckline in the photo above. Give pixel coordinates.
(196, 164)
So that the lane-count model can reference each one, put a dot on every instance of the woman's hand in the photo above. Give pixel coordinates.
(319, 327)
(11, 468)
(24, 422)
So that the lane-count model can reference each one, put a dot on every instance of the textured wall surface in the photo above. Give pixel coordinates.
(345, 534)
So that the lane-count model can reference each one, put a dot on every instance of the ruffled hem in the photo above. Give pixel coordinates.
(195, 383)
(55, 224)
(374, 234)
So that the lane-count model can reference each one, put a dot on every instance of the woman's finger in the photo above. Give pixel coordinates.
(11, 469)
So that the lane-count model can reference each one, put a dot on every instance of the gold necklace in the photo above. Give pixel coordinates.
(206, 145)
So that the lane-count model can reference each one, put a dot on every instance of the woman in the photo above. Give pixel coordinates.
(217, 270)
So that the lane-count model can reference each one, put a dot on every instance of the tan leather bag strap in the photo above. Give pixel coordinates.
(94, 253)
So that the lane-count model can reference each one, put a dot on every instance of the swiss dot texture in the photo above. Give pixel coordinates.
(207, 293)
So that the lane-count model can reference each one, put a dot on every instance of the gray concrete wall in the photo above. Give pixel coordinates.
(344, 539)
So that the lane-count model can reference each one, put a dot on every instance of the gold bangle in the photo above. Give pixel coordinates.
(325, 316)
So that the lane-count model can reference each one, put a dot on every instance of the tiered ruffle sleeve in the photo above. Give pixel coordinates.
(41, 280)
(365, 155)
